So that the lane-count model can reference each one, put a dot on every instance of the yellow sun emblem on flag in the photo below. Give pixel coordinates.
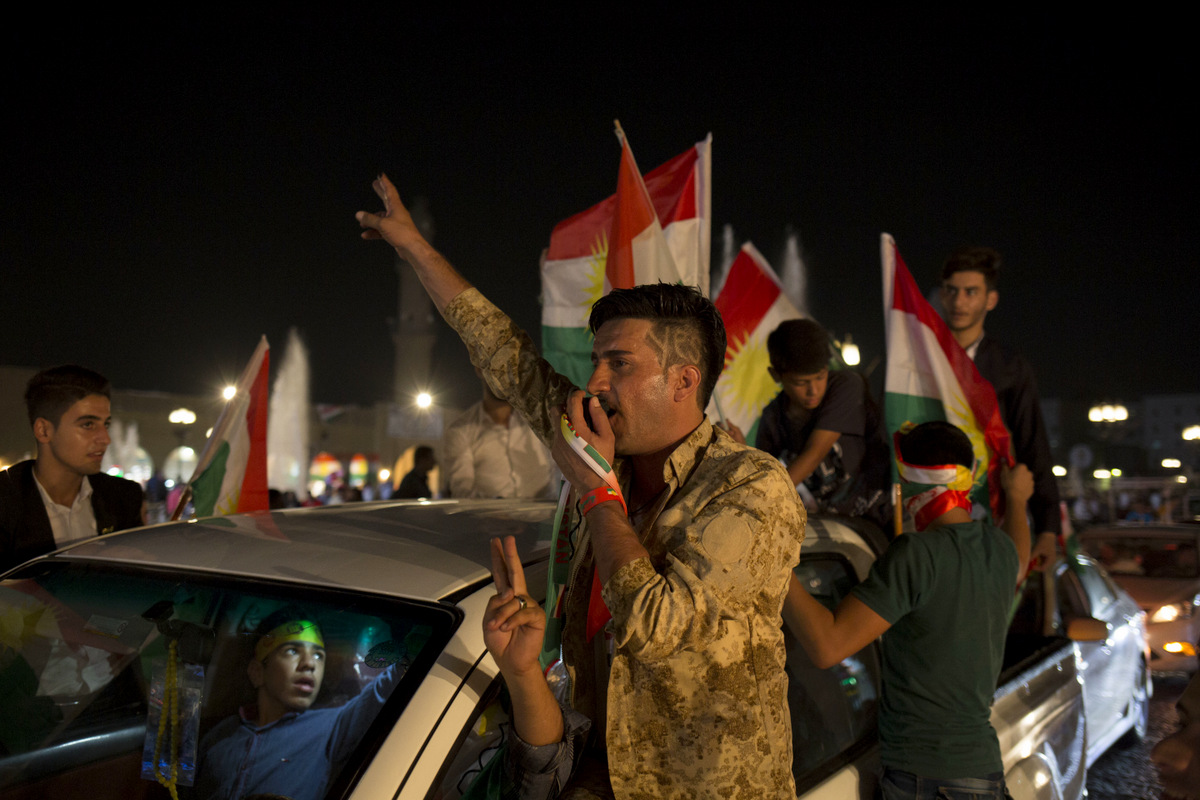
(962, 416)
(228, 505)
(593, 286)
(745, 378)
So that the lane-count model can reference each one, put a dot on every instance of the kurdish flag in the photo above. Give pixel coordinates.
(577, 269)
(752, 304)
(231, 475)
(930, 377)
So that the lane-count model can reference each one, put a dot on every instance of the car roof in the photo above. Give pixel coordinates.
(425, 550)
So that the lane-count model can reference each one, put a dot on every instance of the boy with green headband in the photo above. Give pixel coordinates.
(943, 595)
(278, 745)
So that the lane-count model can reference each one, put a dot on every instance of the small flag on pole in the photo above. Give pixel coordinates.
(231, 475)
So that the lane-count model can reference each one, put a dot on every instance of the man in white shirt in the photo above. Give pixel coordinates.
(62, 496)
(490, 451)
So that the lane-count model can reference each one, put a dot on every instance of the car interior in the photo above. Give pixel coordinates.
(83, 669)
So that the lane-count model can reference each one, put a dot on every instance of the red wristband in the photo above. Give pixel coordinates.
(600, 495)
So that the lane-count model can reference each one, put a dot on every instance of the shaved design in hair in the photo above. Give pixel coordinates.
(674, 344)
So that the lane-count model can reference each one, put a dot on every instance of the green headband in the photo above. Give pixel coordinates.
(299, 630)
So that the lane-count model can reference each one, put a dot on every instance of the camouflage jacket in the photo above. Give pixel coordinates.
(696, 700)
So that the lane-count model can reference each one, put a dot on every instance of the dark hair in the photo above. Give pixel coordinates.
(983, 260)
(672, 307)
(423, 454)
(932, 444)
(800, 346)
(52, 391)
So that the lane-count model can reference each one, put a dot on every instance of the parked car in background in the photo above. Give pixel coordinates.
(400, 589)
(1159, 566)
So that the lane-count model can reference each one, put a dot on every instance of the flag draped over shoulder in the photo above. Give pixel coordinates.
(231, 475)
(578, 269)
(930, 377)
(752, 304)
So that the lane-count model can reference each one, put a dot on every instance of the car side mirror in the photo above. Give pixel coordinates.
(1087, 629)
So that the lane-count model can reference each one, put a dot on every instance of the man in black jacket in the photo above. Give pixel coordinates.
(62, 496)
(969, 280)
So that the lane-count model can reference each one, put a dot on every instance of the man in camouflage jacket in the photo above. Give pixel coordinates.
(693, 568)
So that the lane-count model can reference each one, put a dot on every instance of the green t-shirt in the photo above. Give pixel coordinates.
(946, 593)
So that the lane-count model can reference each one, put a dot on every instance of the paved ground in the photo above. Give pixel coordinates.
(1125, 772)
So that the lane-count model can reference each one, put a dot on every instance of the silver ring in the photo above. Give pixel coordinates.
(521, 601)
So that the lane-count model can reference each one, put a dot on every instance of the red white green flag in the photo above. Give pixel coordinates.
(671, 205)
(231, 475)
(930, 377)
(752, 304)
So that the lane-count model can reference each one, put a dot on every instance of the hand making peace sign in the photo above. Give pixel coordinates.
(513, 625)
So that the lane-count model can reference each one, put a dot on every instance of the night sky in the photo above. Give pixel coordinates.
(175, 186)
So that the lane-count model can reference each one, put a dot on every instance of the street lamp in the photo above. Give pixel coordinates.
(1171, 463)
(850, 352)
(1191, 433)
(181, 418)
(1108, 412)
(424, 400)
(229, 392)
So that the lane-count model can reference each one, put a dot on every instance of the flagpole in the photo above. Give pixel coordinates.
(184, 497)
(897, 510)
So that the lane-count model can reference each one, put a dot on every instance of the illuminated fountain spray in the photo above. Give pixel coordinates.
(122, 457)
(794, 275)
(727, 256)
(287, 423)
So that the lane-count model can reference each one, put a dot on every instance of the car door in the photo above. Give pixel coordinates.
(1108, 666)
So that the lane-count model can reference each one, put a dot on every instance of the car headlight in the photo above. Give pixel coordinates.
(1174, 611)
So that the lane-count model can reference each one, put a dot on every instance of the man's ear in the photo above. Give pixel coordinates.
(993, 297)
(687, 382)
(43, 430)
(254, 671)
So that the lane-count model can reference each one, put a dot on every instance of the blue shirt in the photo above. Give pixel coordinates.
(296, 755)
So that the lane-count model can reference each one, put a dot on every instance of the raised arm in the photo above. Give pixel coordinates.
(513, 628)
(819, 443)
(395, 226)
(1018, 488)
(830, 636)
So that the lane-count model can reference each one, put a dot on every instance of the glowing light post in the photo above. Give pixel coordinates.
(181, 418)
(850, 354)
(1107, 417)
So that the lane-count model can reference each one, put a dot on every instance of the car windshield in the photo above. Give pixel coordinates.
(134, 679)
(1150, 557)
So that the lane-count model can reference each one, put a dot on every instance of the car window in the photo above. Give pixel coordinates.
(1072, 598)
(1099, 593)
(1152, 557)
(113, 671)
(833, 710)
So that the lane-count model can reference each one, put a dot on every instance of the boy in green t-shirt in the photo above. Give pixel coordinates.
(943, 593)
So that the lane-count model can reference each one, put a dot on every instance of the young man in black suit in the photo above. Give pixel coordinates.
(62, 496)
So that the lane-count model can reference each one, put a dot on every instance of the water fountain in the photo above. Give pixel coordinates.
(287, 422)
(794, 276)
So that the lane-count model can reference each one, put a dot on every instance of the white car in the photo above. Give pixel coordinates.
(1117, 686)
(401, 587)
